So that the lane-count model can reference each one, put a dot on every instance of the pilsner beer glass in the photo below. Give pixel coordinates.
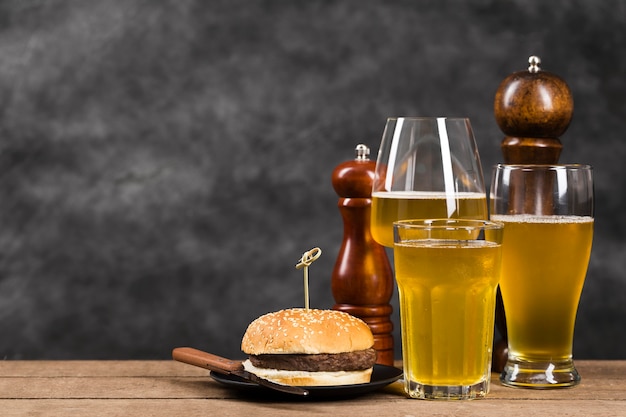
(447, 272)
(427, 167)
(547, 211)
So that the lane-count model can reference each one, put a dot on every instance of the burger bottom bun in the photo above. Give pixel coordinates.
(305, 378)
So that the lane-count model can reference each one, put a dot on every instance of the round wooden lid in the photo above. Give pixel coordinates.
(354, 178)
(533, 103)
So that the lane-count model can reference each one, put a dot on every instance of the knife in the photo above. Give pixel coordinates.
(226, 366)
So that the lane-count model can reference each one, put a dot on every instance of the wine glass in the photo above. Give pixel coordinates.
(427, 167)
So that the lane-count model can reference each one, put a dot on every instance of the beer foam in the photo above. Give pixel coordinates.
(423, 195)
(532, 218)
(448, 243)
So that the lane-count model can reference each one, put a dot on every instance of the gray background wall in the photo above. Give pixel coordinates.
(164, 164)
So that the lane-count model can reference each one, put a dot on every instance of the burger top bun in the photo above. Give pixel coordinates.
(303, 331)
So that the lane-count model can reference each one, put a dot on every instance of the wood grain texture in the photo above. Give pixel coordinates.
(167, 388)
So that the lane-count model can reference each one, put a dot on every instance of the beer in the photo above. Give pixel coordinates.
(447, 301)
(388, 207)
(544, 263)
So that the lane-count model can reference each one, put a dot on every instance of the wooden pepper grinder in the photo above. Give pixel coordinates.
(362, 280)
(533, 108)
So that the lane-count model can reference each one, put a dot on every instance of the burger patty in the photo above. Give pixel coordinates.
(323, 362)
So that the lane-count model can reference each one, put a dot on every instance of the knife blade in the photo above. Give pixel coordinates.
(227, 366)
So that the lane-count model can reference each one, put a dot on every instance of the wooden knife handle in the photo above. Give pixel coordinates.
(206, 360)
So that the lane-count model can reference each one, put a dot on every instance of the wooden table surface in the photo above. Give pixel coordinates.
(168, 388)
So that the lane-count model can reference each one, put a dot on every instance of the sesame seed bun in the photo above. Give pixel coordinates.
(310, 348)
(302, 331)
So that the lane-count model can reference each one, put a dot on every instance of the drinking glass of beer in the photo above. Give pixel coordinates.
(447, 272)
(426, 168)
(547, 211)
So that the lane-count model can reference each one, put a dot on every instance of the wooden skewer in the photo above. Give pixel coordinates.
(307, 259)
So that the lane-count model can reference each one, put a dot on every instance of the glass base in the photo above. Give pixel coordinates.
(446, 392)
(539, 375)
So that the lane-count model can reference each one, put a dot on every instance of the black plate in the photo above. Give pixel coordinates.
(382, 375)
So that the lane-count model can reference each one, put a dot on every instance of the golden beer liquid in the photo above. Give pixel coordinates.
(544, 263)
(447, 301)
(388, 207)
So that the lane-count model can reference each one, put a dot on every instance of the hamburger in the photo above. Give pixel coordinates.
(309, 347)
